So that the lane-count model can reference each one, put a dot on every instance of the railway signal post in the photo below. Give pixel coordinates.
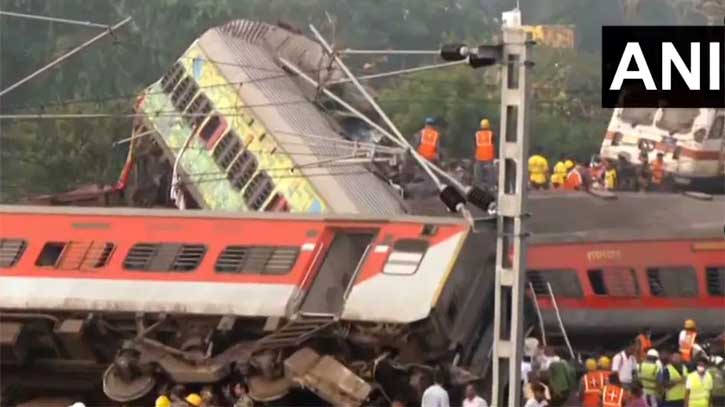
(508, 339)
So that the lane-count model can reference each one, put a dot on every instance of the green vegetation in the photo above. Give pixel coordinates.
(44, 156)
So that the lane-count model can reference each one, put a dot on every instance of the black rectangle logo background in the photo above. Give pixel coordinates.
(650, 39)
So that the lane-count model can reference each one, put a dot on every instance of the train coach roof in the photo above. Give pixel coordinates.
(284, 104)
(569, 217)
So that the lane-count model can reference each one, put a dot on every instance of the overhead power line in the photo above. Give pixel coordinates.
(65, 56)
(54, 19)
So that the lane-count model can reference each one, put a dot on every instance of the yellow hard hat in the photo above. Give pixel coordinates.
(604, 363)
(690, 324)
(590, 364)
(193, 399)
(162, 401)
(485, 124)
(569, 164)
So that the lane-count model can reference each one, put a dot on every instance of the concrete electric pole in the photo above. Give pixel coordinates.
(512, 55)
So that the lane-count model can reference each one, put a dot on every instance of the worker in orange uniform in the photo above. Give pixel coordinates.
(574, 179)
(686, 341)
(590, 387)
(428, 141)
(643, 343)
(484, 170)
(538, 171)
(658, 171)
(613, 395)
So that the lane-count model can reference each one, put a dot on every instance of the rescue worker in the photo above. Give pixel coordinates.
(483, 170)
(625, 365)
(428, 141)
(162, 401)
(610, 176)
(590, 388)
(644, 173)
(658, 171)
(643, 343)
(193, 399)
(605, 365)
(648, 373)
(613, 395)
(626, 174)
(538, 171)
(558, 176)
(717, 371)
(596, 170)
(673, 381)
(686, 341)
(574, 179)
(698, 386)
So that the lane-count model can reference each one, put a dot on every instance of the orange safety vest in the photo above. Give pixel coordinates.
(484, 145)
(573, 180)
(658, 172)
(593, 385)
(612, 396)
(687, 347)
(644, 345)
(428, 147)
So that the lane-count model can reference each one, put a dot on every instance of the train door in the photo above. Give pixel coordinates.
(326, 293)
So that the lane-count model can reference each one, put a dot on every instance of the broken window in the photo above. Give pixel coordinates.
(211, 130)
(164, 257)
(406, 257)
(668, 281)
(258, 190)
(613, 281)
(242, 169)
(11, 250)
(564, 283)
(256, 260)
(675, 120)
(715, 280)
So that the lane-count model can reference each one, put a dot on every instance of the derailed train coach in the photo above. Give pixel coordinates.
(352, 308)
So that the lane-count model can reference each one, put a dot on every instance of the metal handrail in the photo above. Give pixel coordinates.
(561, 323)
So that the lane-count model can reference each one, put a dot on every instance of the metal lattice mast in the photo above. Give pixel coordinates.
(511, 245)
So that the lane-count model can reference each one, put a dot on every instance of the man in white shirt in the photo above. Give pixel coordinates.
(472, 399)
(625, 364)
(435, 395)
(539, 399)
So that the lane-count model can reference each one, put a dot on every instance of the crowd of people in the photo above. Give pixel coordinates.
(567, 173)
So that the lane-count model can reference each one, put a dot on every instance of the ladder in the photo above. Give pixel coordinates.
(558, 319)
(297, 329)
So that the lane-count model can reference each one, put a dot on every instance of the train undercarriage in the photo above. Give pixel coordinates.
(134, 357)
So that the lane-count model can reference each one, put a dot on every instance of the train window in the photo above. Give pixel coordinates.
(84, 255)
(199, 108)
(258, 190)
(277, 204)
(718, 129)
(171, 78)
(564, 283)
(10, 251)
(678, 281)
(164, 257)
(242, 169)
(50, 254)
(213, 127)
(715, 281)
(613, 281)
(406, 256)
(227, 149)
(256, 260)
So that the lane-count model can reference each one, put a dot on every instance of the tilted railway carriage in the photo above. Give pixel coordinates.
(200, 296)
(157, 296)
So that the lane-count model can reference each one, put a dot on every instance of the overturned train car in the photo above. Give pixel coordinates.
(353, 308)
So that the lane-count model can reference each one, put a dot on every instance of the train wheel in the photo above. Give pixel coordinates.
(118, 389)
